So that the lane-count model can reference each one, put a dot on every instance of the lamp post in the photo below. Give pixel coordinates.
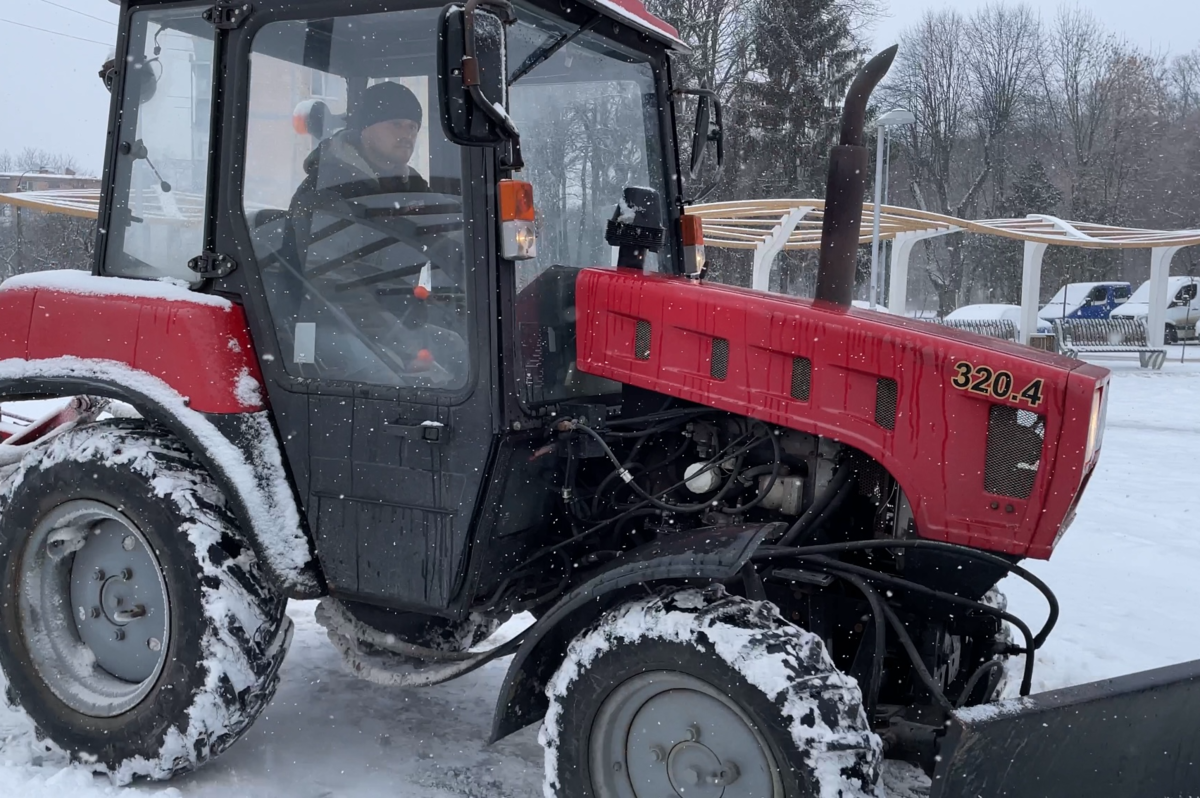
(890, 119)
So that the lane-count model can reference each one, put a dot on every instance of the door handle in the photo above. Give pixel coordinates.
(429, 431)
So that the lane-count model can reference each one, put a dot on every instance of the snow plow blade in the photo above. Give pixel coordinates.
(1134, 736)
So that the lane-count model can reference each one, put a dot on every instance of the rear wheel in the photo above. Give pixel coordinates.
(1171, 335)
(137, 629)
(702, 694)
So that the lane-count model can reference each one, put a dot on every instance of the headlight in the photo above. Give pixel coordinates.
(1096, 424)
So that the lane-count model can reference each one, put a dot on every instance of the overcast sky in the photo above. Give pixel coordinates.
(50, 96)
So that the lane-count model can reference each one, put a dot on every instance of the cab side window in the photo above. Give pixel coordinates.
(160, 177)
(354, 201)
(1098, 295)
(1187, 293)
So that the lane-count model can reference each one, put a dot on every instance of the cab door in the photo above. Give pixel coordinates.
(368, 295)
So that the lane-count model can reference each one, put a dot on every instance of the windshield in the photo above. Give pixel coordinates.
(1071, 295)
(1142, 294)
(589, 118)
(589, 122)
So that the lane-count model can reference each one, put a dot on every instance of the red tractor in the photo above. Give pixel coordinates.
(331, 349)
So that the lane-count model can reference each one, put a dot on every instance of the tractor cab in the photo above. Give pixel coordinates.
(390, 194)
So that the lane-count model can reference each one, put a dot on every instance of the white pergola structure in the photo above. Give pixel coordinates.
(769, 227)
(83, 203)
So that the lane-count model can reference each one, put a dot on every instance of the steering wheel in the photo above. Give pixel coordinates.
(397, 228)
(395, 225)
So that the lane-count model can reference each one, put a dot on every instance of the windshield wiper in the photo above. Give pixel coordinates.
(546, 52)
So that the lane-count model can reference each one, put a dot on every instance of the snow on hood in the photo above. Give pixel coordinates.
(72, 281)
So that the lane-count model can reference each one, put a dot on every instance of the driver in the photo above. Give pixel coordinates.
(371, 155)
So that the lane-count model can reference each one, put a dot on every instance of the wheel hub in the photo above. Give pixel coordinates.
(94, 608)
(116, 574)
(669, 735)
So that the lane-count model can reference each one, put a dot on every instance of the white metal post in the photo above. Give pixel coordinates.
(771, 245)
(879, 133)
(1031, 288)
(1160, 272)
(902, 249)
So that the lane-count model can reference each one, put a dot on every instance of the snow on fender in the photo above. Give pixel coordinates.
(779, 676)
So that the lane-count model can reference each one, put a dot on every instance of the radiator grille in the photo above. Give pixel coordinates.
(801, 378)
(1014, 451)
(720, 359)
(641, 340)
(886, 394)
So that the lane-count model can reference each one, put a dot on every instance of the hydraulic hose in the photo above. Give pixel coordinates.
(950, 598)
(769, 552)
(824, 507)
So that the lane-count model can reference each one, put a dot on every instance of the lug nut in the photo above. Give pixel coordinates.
(693, 733)
(154, 644)
(98, 575)
(129, 542)
(95, 612)
(617, 767)
(119, 635)
(658, 753)
(126, 574)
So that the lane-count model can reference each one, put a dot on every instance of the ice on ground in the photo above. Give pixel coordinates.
(1125, 574)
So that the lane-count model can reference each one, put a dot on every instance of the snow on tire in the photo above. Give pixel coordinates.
(168, 637)
(696, 691)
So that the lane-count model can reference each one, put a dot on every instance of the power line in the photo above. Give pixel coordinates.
(54, 32)
(80, 13)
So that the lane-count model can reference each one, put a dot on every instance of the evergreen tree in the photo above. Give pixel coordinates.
(801, 60)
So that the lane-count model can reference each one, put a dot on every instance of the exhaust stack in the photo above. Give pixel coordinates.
(848, 166)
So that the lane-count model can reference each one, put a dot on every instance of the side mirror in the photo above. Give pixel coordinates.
(472, 70)
(709, 129)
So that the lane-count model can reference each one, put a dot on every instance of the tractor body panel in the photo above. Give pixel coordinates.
(199, 345)
(987, 439)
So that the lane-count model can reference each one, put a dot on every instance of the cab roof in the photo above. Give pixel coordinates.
(635, 14)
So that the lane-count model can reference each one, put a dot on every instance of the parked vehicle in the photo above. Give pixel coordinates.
(1183, 307)
(1086, 301)
(995, 312)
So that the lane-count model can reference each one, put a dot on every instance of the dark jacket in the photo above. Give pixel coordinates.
(337, 165)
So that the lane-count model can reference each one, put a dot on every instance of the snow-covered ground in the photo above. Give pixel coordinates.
(1125, 574)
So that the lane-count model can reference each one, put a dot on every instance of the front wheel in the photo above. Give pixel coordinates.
(137, 628)
(697, 694)
(1171, 334)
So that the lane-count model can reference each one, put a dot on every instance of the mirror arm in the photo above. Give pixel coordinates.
(471, 76)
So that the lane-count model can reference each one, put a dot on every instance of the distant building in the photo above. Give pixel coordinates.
(44, 180)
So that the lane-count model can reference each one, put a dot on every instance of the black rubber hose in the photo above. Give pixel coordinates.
(686, 509)
(871, 698)
(808, 521)
(980, 672)
(918, 664)
(775, 467)
(767, 552)
(950, 598)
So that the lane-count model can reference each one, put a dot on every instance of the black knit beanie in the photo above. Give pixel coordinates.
(385, 102)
